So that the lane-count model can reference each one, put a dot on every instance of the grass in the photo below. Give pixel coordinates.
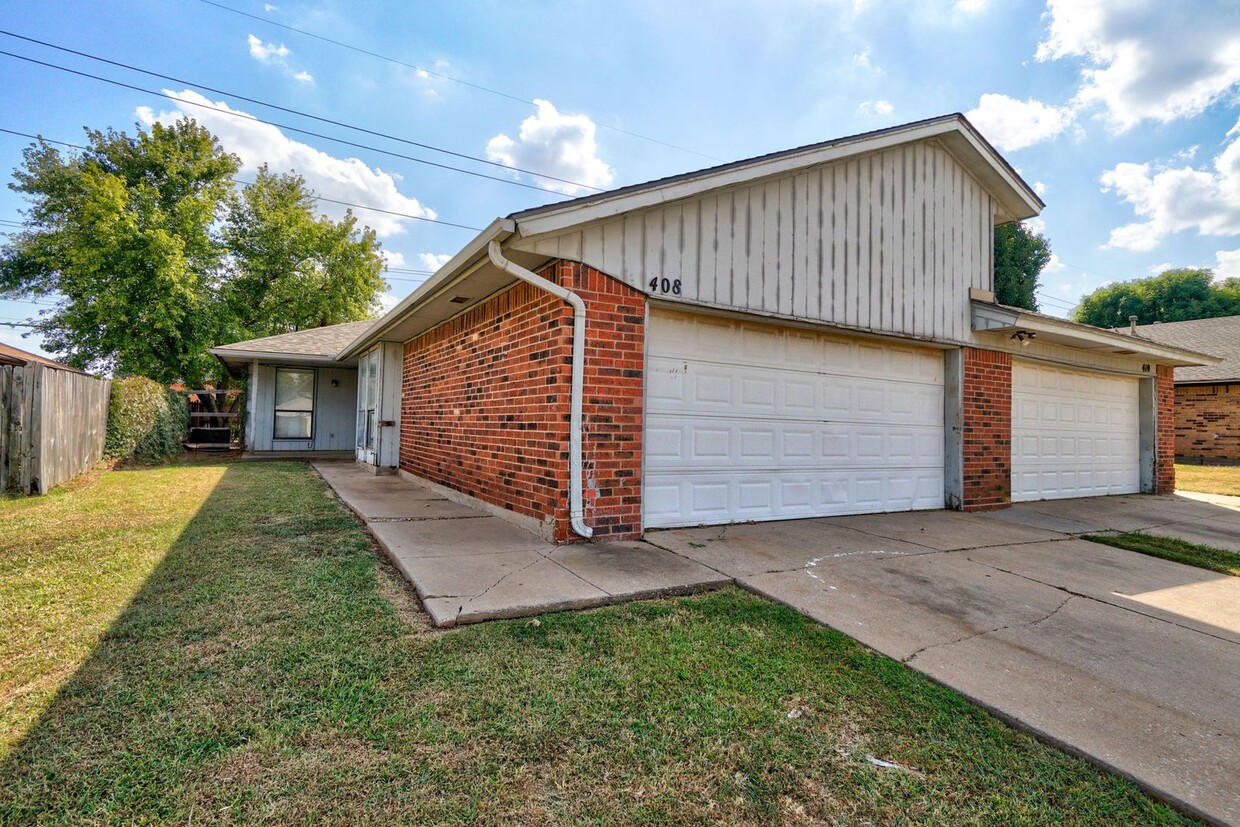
(221, 644)
(1209, 479)
(1169, 548)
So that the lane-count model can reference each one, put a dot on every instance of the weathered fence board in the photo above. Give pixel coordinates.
(52, 426)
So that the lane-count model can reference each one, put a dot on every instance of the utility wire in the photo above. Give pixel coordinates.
(277, 124)
(298, 112)
(247, 183)
(442, 76)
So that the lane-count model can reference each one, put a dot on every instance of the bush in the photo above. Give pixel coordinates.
(146, 421)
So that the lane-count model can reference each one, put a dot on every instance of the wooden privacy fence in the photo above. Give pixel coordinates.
(52, 426)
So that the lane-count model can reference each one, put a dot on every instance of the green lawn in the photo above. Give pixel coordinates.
(220, 644)
(1169, 548)
(1209, 479)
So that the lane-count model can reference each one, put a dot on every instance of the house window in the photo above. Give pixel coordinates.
(294, 403)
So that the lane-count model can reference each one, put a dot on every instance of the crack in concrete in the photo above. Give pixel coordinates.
(488, 589)
(1101, 602)
(983, 633)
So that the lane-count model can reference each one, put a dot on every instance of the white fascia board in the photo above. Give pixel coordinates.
(500, 228)
(231, 355)
(995, 318)
(573, 215)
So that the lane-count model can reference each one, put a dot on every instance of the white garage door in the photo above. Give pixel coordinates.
(1074, 433)
(755, 422)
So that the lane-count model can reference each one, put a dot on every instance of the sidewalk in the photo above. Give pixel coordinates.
(468, 566)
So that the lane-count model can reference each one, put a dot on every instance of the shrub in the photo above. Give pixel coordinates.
(146, 421)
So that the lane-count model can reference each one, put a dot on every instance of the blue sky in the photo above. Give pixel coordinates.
(1123, 114)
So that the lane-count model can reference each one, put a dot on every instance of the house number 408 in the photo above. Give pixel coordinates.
(665, 285)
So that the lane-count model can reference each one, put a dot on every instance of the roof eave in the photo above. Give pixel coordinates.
(998, 318)
(499, 229)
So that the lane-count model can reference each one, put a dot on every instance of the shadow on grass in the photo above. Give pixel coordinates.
(267, 672)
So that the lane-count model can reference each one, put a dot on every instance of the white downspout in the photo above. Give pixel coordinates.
(576, 509)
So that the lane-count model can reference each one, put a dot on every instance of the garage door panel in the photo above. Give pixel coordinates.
(754, 422)
(784, 494)
(1075, 433)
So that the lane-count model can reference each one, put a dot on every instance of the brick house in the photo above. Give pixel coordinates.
(807, 333)
(1207, 397)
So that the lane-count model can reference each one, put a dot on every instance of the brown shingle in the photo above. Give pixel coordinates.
(1217, 337)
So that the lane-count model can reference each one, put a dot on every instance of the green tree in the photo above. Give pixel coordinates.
(153, 257)
(1171, 296)
(292, 270)
(121, 234)
(1020, 256)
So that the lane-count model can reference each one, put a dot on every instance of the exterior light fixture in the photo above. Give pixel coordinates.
(1024, 337)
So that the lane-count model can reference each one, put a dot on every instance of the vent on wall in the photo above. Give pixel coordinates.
(459, 299)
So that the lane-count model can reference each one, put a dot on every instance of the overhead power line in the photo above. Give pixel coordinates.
(298, 130)
(247, 183)
(298, 112)
(443, 76)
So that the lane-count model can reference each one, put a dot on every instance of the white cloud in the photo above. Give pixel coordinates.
(557, 144)
(1227, 264)
(1054, 265)
(433, 261)
(387, 301)
(1174, 199)
(391, 258)
(1147, 59)
(342, 179)
(1039, 187)
(267, 52)
(972, 6)
(1160, 268)
(1012, 124)
(1036, 225)
(303, 77)
(878, 108)
(864, 60)
(267, 7)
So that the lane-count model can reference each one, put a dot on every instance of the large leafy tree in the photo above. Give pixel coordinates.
(292, 270)
(1171, 296)
(122, 235)
(1020, 256)
(153, 256)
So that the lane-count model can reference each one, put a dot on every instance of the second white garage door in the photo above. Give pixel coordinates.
(1074, 433)
(756, 422)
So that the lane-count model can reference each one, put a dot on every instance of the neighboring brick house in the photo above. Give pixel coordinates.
(1207, 397)
(802, 334)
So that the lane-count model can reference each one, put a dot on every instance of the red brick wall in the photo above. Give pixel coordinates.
(986, 438)
(485, 402)
(1164, 456)
(1207, 421)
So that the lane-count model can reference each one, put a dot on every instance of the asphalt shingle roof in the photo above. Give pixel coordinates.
(1216, 337)
(318, 341)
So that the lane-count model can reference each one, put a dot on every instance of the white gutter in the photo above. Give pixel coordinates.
(576, 508)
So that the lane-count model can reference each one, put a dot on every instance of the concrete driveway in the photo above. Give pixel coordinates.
(1129, 660)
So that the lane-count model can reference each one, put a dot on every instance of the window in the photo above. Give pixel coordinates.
(294, 404)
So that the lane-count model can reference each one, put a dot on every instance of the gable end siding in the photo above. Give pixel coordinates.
(889, 242)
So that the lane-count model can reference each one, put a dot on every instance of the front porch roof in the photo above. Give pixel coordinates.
(316, 347)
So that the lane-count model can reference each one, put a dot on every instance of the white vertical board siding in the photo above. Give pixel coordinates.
(758, 422)
(1074, 433)
(888, 242)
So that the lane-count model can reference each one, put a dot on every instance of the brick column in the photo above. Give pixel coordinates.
(986, 429)
(1164, 456)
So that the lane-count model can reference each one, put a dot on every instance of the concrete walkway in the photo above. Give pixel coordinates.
(468, 566)
(1129, 660)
